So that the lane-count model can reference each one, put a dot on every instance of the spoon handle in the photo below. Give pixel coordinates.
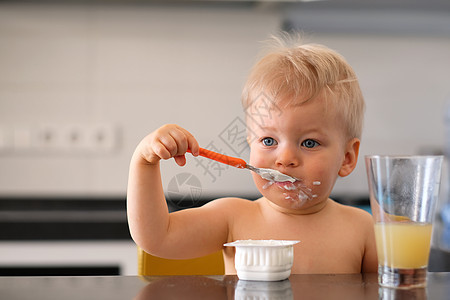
(222, 158)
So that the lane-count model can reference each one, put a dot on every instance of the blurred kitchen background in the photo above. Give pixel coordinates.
(81, 83)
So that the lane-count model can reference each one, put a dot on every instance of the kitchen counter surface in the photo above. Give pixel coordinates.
(354, 286)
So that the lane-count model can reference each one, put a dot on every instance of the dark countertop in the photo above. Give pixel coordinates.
(353, 286)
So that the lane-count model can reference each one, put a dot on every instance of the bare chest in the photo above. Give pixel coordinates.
(323, 248)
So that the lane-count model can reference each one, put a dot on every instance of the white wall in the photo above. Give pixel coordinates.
(133, 68)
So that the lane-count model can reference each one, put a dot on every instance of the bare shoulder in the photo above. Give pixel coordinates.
(229, 203)
(354, 214)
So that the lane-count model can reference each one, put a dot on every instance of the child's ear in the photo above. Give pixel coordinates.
(351, 157)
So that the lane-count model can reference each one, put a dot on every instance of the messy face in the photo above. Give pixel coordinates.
(305, 142)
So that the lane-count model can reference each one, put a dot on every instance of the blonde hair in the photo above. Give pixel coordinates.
(297, 73)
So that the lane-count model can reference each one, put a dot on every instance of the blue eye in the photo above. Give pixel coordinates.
(268, 141)
(310, 143)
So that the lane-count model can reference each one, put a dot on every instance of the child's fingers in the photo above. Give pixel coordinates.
(169, 141)
(193, 145)
(180, 160)
(185, 140)
(180, 141)
(171, 145)
(189, 143)
(161, 150)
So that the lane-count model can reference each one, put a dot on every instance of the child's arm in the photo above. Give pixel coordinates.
(370, 260)
(185, 234)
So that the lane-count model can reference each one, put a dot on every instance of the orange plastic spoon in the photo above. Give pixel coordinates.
(268, 174)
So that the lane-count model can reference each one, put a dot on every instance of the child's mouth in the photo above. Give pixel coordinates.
(287, 185)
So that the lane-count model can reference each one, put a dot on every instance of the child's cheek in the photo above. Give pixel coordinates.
(258, 160)
(322, 184)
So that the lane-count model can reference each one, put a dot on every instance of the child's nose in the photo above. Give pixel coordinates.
(288, 157)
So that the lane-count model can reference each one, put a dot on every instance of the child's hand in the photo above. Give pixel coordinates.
(166, 142)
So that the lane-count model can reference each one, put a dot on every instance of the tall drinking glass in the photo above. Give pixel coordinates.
(403, 194)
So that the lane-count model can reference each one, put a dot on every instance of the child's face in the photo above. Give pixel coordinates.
(306, 142)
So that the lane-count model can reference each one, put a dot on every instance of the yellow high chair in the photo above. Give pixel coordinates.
(149, 265)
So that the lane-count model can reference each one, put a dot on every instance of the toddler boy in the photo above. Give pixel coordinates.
(311, 131)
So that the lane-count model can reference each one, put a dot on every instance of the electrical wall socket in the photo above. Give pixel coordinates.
(59, 138)
(47, 137)
(90, 138)
(104, 137)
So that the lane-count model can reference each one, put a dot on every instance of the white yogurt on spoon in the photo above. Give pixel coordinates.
(274, 175)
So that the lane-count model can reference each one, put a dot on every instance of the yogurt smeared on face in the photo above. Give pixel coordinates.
(297, 192)
(302, 194)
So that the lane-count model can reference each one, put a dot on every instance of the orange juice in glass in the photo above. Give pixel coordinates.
(403, 245)
(403, 195)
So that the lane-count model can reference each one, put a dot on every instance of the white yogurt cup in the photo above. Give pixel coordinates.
(263, 260)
